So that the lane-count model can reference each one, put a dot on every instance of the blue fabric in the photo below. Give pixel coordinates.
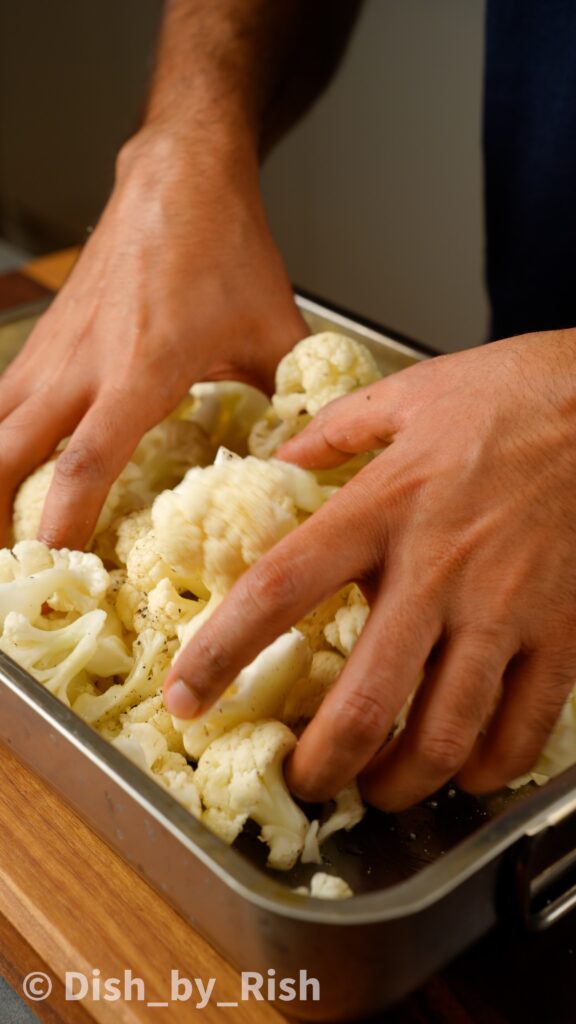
(530, 164)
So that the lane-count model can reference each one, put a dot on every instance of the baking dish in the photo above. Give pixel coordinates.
(428, 882)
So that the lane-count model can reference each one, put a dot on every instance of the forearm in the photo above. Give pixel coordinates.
(219, 66)
(237, 73)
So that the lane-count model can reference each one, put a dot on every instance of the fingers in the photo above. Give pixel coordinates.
(356, 717)
(27, 438)
(310, 564)
(535, 691)
(96, 454)
(360, 422)
(450, 710)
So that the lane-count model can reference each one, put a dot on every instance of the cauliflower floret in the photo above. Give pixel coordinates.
(162, 609)
(306, 696)
(221, 519)
(152, 656)
(325, 887)
(129, 529)
(61, 659)
(239, 776)
(317, 370)
(65, 580)
(146, 746)
(227, 411)
(348, 812)
(257, 692)
(348, 623)
(151, 710)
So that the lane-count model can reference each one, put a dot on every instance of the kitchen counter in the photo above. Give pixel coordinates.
(69, 903)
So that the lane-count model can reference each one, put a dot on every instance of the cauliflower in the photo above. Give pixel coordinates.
(221, 519)
(227, 411)
(60, 659)
(239, 776)
(325, 887)
(152, 657)
(163, 608)
(317, 370)
(305, 697)
(348, 812)
(258, 692)
(32, 576)
(129, 529)
(146, 745)
(151, 710)
(348, 623)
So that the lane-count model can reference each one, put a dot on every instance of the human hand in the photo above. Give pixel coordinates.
(180, 281)
(463, 534)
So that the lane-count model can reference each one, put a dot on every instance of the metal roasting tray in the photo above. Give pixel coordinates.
(428, 882)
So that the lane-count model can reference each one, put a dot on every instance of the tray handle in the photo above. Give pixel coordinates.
(544, 873)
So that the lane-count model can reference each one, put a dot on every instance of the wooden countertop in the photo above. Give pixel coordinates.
(69, 903)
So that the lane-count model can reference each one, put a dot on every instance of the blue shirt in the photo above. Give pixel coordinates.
(530, 164)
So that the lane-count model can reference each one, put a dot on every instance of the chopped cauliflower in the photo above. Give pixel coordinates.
(152, 656)
(344, 630)
(146, 745)
(306, 696)
(325, 887)
(33, 576)
(239, 776)
(221, 519)
(257, 692)
(317, 370)
(227, 410)
(129, 529)
(57, 658)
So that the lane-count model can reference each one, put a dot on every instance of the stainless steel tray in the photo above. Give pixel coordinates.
(428, 881)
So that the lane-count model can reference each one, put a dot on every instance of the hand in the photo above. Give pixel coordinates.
(463, 532)
(180, 281)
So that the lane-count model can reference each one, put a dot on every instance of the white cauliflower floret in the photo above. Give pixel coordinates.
(325, 887)
(65, 580)
(129, 529)
(306, 696)
(343, 632)
(163, 608)
(59, 659)
(221, 519)
(146, 746)
(257, 692)
(150, 710)
(227, 411)
(152, 656)
(318, 370)
(239, 776)
(348, 812)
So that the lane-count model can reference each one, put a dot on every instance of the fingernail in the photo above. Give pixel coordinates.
(180, 700)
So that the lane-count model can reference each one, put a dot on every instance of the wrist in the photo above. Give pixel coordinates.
(176, 152)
